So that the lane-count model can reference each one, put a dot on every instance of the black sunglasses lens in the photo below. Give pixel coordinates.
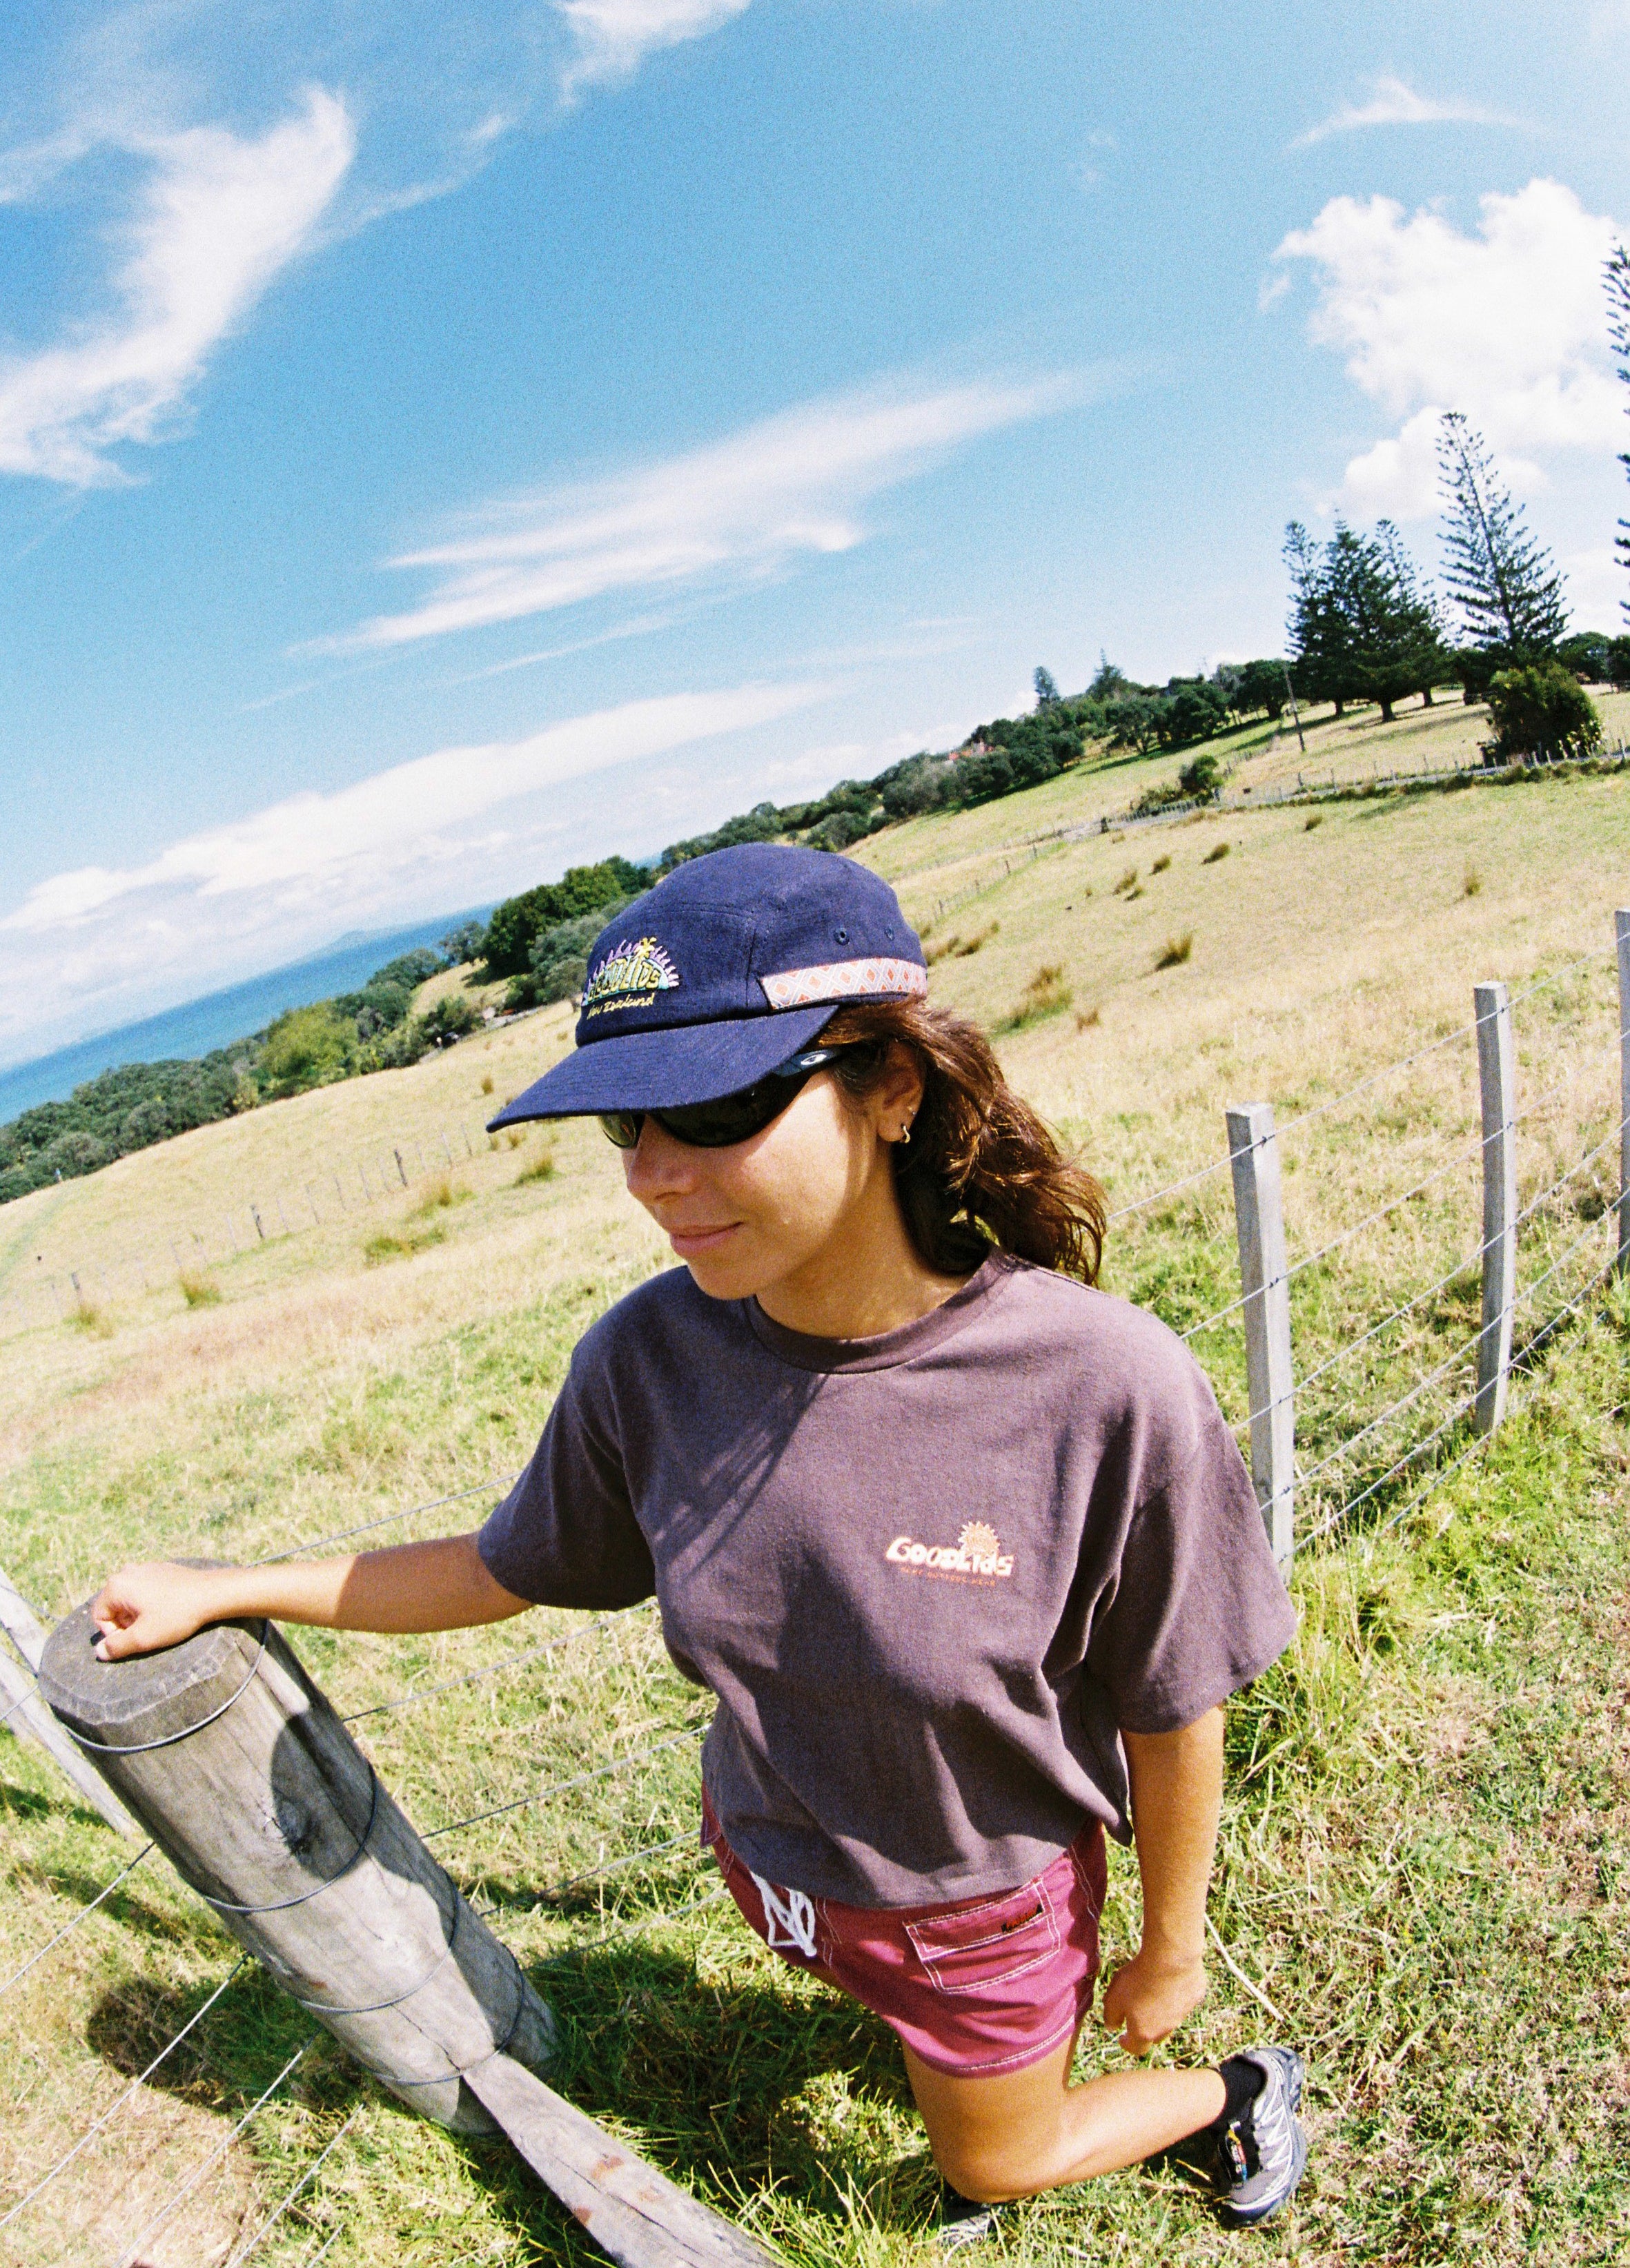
(622, 1127)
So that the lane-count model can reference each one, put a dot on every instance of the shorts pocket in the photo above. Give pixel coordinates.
(988, 1944)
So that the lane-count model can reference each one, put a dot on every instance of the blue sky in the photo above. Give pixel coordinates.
(441, 443)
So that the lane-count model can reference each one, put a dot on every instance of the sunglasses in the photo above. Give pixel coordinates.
(733, 1118)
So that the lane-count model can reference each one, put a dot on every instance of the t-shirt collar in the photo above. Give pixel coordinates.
(890, 1348)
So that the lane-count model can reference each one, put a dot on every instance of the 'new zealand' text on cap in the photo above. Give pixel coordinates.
(731, 965)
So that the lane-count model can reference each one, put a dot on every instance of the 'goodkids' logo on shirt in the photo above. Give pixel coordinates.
(630, 976)
(977, 1552)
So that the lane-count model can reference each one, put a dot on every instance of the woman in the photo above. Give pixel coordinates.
(963, 1546)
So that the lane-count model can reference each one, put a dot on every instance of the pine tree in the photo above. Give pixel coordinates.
(1505, 585)
(1317, 629)
(1618, 277)
(1420, 624)
(1047, 689)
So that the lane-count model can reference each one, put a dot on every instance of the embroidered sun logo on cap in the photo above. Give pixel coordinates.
(979, 1540)
(629, 974)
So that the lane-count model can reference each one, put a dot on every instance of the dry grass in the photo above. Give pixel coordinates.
(540, 1169)
(199, 1290)
(1427, 1847)
(1161, 863)
(1046, 994)
(1213, 856)
(1175, 951)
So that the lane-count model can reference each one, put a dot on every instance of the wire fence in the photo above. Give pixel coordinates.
(338, 1191)
(1411, 1433)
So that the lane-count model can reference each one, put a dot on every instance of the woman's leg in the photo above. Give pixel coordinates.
(1010, 2134)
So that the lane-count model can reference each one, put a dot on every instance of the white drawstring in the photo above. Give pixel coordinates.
(793, 1914)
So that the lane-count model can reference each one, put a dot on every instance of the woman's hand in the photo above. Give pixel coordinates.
(1150, 1997)
(153, 1604)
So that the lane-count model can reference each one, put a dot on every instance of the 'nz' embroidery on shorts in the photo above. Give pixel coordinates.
(975, 1557)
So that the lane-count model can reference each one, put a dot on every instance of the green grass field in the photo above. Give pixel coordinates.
(1427, 1847)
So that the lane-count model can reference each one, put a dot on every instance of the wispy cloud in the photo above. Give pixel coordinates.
(613, 37)
(219, 217)
(87, 947)
(1505, 323)
(792, 484)
(1394, 102)
(402, 815)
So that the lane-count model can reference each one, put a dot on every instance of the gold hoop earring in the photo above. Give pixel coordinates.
(905, 1136)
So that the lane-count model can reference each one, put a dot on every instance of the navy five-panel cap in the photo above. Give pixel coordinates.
(729, 967)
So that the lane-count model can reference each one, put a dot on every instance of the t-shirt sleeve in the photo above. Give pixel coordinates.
(1198, 1608)
(566, 1534)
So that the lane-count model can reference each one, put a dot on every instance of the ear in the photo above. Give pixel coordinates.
(898, 1094)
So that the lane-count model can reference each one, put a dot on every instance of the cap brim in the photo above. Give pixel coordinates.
(668, 1069)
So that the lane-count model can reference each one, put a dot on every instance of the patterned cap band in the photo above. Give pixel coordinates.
(845, 979)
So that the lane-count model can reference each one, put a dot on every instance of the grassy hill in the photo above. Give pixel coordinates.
(1428, 1842)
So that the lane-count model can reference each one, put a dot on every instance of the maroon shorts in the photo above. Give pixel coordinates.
(982, 1986)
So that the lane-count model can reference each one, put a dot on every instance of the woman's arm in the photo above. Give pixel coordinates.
(441, 1585)
(1177, 1800)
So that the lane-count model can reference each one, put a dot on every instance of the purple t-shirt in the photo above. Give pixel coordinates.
(930, 1576)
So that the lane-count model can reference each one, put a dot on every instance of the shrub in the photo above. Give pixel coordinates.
(451, 1018)
(199, 1290)
(1541, 714)
(1202, 776)
(307, 1047)
(1221, 851)
(1176, 951)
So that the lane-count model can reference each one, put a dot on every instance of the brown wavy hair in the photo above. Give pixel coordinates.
(981, 1169)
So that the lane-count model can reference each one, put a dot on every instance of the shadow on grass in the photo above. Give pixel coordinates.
(772, 2101)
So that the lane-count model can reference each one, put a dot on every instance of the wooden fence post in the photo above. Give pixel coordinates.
(1259, 1219)
(241, 1772)
(1621, 926)
(26, 1711)
(1497, 1080)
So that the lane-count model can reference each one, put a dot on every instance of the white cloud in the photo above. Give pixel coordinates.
(1394, 102)
(97, 945)
(613, 37)
(792, 484)
(1506, 324)
(327, 844)
(219, 217)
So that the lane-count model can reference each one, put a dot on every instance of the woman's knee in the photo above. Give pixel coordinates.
(989, 2171)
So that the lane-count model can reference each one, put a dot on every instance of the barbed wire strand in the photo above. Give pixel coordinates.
(385, 1520)
(492, 1668)
(84, 1914)
(177, 2197)
(278, 2211)
(92, 2132)
(578, 1779)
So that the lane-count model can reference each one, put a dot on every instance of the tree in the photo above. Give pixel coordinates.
(1361, 627)
(1506, 585)
(463, 943)
(1618, 274)
(1259, 688)
(1047, 689)
(1319, 625)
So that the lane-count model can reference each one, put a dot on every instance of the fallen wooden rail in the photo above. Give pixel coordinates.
(246, 1777)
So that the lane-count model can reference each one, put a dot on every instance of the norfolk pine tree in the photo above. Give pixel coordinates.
(1618, 277)
(1505, 585)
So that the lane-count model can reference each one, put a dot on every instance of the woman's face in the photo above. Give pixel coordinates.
(790, 1203)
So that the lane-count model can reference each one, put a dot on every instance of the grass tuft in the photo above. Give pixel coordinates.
(1089, 1017)
(955, 948)
(540, 1169)
(1046, 994)
(441, 1194)
(90, 1317)
(199, 1290)
(1472, 883)
(1128, 881)
(1221, 851)
(486, 1082)
(1176, 951)
(1161, 863)
(394, 1245)
(1308, 825)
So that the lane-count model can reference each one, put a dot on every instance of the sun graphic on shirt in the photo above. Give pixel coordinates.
(979, 1539)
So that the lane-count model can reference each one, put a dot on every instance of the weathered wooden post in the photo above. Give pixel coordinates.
(1497, 1078)
(1621, 926)
(1260, 1221)
(244, 1775)
(23, 1711)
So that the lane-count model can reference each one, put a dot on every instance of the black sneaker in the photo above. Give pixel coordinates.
(963, 2220)
(1262, 2153)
